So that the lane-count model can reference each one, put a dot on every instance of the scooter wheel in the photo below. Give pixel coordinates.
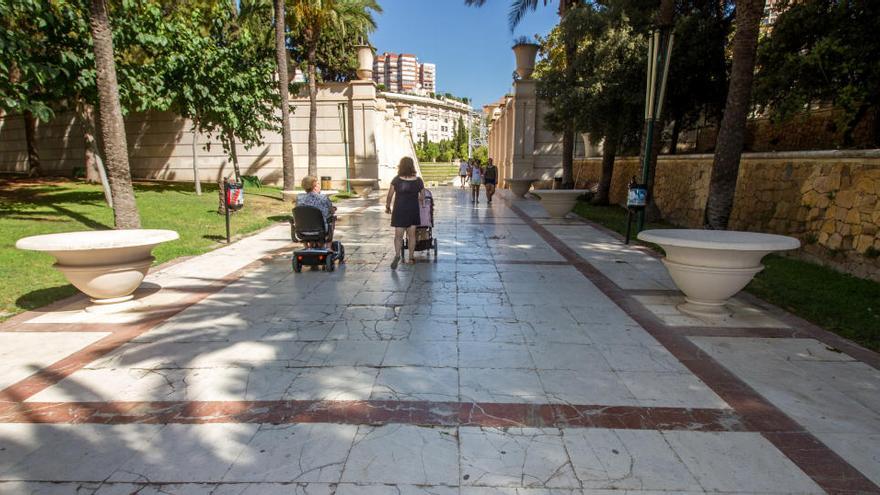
(297, 267)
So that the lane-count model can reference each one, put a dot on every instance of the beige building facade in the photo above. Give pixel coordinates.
(360, 135)
(437, 117)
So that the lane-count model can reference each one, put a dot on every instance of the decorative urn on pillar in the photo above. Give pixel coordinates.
(365, 62)
(403, 112)
(525, 52)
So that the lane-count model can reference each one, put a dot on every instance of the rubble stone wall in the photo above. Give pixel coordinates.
(830, 200)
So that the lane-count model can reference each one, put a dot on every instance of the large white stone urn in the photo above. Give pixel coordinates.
(519, 187)
(710, 266)
(365, 62)
(403, 112)
(525, 59)
(107, 265)
(559, 202)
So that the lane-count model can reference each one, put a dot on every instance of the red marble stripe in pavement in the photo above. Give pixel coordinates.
(423, 413)
(822, 464)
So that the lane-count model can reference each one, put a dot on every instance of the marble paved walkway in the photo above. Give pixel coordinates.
(533, 357)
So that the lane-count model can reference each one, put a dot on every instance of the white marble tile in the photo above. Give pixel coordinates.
(348, 353)
(515, 457)
(577, 357)
(187, 453)
(738, 462)
(367, 489)
(416, 383)
(76, 452)
(587, 388)
(332, 383)
(494, 355)
(640, 358)
(24, 353)
(626, 459)
(294, 453)
(403, 454)
(421, 353)
(501, 385)
(653, 389)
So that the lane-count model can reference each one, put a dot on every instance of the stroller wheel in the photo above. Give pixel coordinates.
(435, 248)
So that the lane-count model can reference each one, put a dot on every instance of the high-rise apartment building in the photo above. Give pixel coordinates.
(404, 74)
(408, 71)
(379, 70)
(427, 77)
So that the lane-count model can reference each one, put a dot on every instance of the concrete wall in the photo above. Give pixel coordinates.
(828, 199)
(160, 144)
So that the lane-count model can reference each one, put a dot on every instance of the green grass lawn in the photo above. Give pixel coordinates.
(33, 207)
(846, 305)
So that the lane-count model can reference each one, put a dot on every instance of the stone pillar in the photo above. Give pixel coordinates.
(524, 107)
(364, 118)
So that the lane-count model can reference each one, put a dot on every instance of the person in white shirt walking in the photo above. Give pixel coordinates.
(463, 172)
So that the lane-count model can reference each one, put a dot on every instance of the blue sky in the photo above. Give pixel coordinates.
(470, 45)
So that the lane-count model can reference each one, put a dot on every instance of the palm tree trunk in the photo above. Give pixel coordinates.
(313, 111)
(609, 153)
(125, 210)
(568, 136)
(30, 137)
(92, 161)
(195, 154)
(283, 89)
(731, 132)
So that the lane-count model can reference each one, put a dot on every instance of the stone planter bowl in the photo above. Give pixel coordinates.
(525, 54)
(107, 265)
(559, 202)
(519, 187)
(710, 266)
(363, 187)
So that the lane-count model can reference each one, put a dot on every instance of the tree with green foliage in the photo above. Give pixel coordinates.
(597, 86)
(322, 23)
(823, 51)
(220, 73)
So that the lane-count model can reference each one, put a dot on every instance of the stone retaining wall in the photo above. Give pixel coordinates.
(830, 200)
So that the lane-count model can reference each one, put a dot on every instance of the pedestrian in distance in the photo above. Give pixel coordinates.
(463, 172)
(490, 178)
(407, 194)
(476, 180)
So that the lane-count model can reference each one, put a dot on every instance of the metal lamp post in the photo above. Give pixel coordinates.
(659, 54)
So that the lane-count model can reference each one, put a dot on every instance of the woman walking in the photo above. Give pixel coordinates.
(476, 180)
(408, 193)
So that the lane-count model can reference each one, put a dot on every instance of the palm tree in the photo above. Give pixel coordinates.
(125, 210)
(311, 18)
(731, 133)
(283, 81)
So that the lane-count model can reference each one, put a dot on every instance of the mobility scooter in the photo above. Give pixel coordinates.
(308, 226)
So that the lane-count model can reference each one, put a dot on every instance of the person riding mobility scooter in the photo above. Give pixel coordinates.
(311, 226)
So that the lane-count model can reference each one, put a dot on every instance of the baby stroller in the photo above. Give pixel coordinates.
(308, 226)
(425, 240)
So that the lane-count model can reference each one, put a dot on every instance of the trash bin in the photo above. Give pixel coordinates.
(326, 182)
